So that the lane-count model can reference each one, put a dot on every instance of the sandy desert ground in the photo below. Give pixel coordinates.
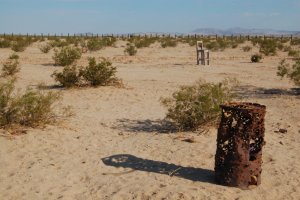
(117, 146)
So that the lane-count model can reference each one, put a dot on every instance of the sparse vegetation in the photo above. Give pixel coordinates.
(192, 107)
(66, 55)
(130, 49)
(256, 58)
(294, 53)
(292, 72)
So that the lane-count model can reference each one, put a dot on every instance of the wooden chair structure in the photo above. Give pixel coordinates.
(202, 54)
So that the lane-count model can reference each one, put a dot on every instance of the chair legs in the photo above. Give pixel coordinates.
(202, 56)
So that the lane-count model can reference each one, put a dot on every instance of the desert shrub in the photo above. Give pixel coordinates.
(295, 41)
(280, 46)
(45, 48)
(66, 55)
(194, 106)
(11, 66)
(36, 108)
(33, 108)
(14, 56)
(130, 49)
(287, 48)
(247, 48)
(4, 43)
(268, 47)
(142, 42)
(168, 42)
(56, 42)
(234, 45)
(256, 58)
(95, 44)
(19, 46)
(96, 74)
(294, 53)
(69, 77)
(293, 73)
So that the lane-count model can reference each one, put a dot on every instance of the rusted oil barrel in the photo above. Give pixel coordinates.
(240, 140)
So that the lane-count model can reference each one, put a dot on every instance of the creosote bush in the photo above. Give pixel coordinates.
(256, 58)
(45, 48)
(192, 107)
(96, 74)
(130, 49)
(11, 66)
(268, 47)
(69, 77)
(66, 55)
(292, 72)
(33, 108)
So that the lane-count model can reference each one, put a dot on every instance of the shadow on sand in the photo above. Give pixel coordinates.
(248, 91)
(135, 163)
(149, 126)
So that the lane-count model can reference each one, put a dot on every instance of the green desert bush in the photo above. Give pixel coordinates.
(45, 48)
(247, 48)
(130, 49)
(11, 66)
(96, 74)
(69, 77)
(66, 55)
(33, 108)
(268, 47)
(292, 72)
(192, 107)
(256, 58)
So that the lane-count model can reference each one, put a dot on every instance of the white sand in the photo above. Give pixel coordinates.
(66, 161)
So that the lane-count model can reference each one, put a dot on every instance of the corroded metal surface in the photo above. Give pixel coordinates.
(239, 145)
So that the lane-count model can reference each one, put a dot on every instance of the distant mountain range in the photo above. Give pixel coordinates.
(243, 31)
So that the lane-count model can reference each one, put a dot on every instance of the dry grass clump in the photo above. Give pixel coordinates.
(193, 107)
(66, 55)
(11, 66)
(32, 108)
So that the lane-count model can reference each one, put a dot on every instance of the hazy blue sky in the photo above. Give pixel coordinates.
(127, 16)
